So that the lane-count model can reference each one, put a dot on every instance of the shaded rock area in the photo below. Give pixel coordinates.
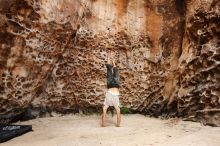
(53, 55)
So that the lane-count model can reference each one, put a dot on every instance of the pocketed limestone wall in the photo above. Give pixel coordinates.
(53, 55)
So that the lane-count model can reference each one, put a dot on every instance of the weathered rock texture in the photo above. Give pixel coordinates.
(53, 55)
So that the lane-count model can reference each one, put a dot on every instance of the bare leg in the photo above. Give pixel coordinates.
(104, 116)
(118, 116)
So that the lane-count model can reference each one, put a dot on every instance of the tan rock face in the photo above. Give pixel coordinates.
(53, 55)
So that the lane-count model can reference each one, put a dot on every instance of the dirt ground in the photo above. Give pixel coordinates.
(135, 130)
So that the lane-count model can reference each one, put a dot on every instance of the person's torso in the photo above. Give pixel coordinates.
(114, 91)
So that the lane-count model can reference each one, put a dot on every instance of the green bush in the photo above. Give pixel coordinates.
(125, 110)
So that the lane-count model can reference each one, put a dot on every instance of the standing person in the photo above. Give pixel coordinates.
(112, 94)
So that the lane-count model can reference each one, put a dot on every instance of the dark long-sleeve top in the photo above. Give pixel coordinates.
(112, 76)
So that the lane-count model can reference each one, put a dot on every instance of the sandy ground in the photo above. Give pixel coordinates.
(135, 130)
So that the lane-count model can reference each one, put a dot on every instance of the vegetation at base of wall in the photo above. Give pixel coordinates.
(125, 110)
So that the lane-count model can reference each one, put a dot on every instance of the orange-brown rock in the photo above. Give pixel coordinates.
(53, 55)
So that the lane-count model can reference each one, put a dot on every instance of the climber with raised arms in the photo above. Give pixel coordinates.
(112, 94)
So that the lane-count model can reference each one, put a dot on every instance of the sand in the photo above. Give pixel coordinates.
(135, 130)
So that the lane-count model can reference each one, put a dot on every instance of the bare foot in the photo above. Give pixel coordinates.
(103, 125)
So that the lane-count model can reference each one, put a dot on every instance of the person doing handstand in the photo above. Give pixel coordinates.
(112, 94)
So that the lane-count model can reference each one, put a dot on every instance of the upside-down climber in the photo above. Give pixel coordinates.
(112, 94)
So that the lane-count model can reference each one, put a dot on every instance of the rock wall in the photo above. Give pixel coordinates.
(199, 93)
(53, 55)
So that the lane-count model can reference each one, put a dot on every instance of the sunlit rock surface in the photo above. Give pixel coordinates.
(53, 55)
